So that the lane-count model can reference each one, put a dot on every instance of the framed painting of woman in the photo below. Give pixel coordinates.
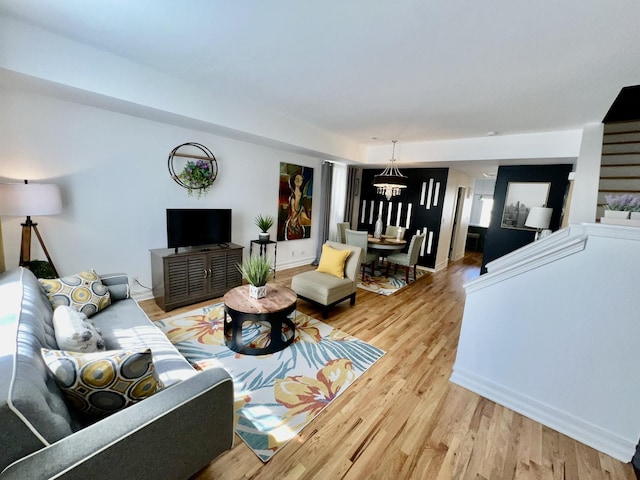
(295, 202)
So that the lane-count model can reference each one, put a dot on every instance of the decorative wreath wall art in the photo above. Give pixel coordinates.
(197, 174)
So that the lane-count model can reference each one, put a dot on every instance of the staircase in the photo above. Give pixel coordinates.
(620, 167)
(551, 331)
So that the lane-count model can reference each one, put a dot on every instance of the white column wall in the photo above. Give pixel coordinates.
(584, 201)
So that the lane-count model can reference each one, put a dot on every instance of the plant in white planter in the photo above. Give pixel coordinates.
(256, 270)
(264, 223)
(619, 206)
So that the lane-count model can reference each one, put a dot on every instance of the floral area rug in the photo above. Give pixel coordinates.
(383, 285)
(276, 395)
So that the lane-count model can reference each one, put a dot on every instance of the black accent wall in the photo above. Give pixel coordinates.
(421, 216)
(500, 241)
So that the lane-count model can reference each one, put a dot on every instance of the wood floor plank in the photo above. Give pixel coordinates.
(403, 419)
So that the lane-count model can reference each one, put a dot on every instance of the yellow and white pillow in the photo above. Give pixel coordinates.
(83, 291)
(102, 383)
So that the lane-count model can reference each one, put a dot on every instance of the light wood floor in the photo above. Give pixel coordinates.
(403, 419)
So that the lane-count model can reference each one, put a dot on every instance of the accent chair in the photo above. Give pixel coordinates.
(328, 289)
(408, 259)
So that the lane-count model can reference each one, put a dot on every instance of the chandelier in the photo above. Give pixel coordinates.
(390, 182)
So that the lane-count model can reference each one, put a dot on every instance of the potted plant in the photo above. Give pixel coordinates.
(264, 223)
(619, 206)
(256, 270)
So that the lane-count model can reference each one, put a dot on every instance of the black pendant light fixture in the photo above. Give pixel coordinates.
(390, 182)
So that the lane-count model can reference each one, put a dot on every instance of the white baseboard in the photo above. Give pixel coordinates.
(141, 294)
(442, 265)
(294, 263)
(602, 440)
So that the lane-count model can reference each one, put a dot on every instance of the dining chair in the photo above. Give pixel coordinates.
(359, 239)
(408, 259)
(391, 231)
(342, 226)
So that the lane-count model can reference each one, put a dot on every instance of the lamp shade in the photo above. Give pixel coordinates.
(539, 217)
(27, 199)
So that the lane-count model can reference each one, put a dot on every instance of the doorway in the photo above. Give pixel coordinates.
(457, 215)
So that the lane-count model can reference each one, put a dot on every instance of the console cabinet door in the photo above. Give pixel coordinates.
(223, 273)
(216, 280)
(234, 277)
(185, 277)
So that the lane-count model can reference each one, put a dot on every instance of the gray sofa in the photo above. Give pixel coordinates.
(170, 435)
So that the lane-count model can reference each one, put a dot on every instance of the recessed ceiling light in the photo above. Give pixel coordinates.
(488, 175)
(491, 133)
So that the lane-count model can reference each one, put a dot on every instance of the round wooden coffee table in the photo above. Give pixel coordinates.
(275, 309)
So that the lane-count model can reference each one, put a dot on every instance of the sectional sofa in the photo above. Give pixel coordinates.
(170, 435)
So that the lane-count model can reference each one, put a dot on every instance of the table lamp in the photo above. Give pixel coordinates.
(539, 218)
(26, 199)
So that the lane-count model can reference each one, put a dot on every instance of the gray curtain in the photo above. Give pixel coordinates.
(353, 193)
(325, 208)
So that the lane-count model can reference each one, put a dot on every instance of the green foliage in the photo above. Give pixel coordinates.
(41, 269)
(197, 176)
(256, 270)
(264, 223)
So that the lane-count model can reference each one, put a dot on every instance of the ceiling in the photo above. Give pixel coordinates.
(411, 70)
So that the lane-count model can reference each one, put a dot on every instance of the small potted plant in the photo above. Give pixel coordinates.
(264, 223)
(619, 206)
(256, 270)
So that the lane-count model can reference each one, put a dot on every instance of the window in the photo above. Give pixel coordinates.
(485, 213)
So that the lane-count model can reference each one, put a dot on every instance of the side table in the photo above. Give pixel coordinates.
(275, 308)
(263, 250)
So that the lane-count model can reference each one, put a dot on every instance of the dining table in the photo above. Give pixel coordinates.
(385, 243)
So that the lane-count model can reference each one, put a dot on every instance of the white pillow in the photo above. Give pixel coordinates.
(74, 332)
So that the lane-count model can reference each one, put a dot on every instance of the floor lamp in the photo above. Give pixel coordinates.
(26, 199)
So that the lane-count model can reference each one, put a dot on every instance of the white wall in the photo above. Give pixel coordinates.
(552, 330)
(563, 144)
(116, 186)
(584, 201)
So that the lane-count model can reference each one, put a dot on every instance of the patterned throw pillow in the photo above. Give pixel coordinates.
(84, 291)
(102, 383)
(75, 332)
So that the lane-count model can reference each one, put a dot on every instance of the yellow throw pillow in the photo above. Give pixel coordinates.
(332, 261)
(102, 383)
(83, 291)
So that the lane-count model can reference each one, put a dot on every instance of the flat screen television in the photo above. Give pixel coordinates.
(194, 227)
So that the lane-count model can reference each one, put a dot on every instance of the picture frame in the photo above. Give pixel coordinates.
(521, 196)
(295, 202)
